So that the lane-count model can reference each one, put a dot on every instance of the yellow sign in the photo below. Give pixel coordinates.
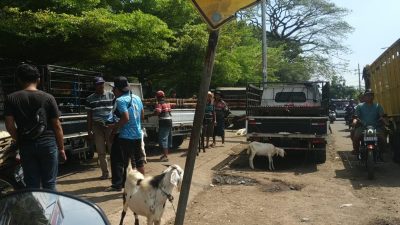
(217, 12)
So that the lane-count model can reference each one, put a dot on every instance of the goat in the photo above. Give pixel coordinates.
(265, 149)
(146, 196)
(241, 132)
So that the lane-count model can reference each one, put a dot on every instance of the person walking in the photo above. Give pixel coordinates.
(209, 121)
(163, 110)
(221, 109)
(32, 119)
(99, 106)
(130, 111)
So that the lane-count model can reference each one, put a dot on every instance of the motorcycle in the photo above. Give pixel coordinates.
(349, 116)
(332, 116)
(11, 173)
(38, 206)
(369, 151)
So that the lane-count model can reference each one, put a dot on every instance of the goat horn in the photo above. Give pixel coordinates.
(166, 165)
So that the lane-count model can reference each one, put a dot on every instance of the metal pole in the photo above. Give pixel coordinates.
(359, 79)
(264, 41)
(198, 120)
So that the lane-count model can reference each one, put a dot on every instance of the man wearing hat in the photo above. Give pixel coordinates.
(129, 108)
(368, 113)
(99, 105)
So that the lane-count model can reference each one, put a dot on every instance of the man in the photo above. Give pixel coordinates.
(163, 110)
(368, 114)
(39, 155)
(130, 109)
(99, 106)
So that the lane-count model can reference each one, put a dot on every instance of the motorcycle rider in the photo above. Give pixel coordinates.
(368, 113)
(350, 111)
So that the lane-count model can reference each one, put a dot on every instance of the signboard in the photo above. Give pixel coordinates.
(218, 12)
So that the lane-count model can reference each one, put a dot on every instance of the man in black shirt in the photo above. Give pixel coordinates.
(39, 155)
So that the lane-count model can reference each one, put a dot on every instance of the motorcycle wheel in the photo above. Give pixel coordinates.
(6, 186)
(370, 165)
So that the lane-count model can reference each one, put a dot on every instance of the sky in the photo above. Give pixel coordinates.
(377, 26)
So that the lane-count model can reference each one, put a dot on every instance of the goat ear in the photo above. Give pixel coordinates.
(174, 178)
(166, 165)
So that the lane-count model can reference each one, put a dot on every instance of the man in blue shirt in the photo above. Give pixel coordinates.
(368, 114)
(130, 108)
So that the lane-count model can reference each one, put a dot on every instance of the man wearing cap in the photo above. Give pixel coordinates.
(163, 110)
(368, 113)
(130, 110)
(99, 105)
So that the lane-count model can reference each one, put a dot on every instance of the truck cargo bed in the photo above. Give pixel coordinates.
(294, 126)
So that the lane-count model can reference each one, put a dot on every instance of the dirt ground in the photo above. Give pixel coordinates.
(225, 191)
(299, 192)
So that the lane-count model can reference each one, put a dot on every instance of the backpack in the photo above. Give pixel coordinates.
(38, 127)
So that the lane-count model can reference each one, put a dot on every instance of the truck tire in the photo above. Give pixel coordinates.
(177, 141)
(320, 155)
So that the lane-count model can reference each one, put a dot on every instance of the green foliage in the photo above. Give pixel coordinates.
(95, 38)
(339, 90)
(159, 40)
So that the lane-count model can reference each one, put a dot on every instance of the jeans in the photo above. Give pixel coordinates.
(132, 152)
(117, 164)
(165, 137)
(39, 159)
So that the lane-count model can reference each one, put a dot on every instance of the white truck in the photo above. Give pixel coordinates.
(292, 116)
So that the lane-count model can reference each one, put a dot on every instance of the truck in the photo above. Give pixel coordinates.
(383, 77)
(70, 87)
(235, 97)
(292, 116)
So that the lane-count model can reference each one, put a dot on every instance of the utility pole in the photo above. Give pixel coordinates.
(198, 120)
(264, 42)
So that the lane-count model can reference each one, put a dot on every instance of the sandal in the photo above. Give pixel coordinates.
(164, 158)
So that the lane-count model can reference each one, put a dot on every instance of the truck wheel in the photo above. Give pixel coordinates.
(320, 155)
(177, 141)
(89, 154)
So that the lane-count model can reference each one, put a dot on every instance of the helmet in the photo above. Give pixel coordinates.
(160, 94)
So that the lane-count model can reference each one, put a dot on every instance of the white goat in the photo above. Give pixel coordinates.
(265, 149)
(146, 196)
(241, 132)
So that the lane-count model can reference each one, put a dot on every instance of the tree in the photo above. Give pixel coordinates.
(339, 90)
(310, 28)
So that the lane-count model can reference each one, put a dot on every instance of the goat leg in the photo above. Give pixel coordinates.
(273, 166)
(136, 219)
(270, 162)
(251, 160)
(121, 222)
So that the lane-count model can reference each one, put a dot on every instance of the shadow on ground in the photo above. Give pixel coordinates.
(386, 173)
(298, 162)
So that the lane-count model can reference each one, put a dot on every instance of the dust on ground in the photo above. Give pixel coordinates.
(298, 191)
